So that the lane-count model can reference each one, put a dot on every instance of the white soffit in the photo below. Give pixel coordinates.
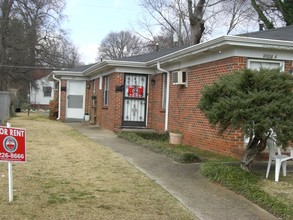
(223, 42)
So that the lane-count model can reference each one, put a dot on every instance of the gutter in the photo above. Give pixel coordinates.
(59, 95)
(113, 63)
(167, 94)
(222, 42)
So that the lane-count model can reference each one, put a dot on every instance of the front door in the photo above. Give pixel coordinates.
(135, 99)
(75, 99)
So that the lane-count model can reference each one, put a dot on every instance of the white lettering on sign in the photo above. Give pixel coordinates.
(270, 56)
(3, 131)
(16, 133)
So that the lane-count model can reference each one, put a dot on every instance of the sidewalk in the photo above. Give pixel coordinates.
(204, 199)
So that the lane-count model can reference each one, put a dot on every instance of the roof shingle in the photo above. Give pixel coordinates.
(153, 55)
(283, 33)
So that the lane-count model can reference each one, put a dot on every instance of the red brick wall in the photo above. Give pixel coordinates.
(91, 103)
(99, 102)
(110, 117)
(156, 114)
(289, 66)
(63, 100)
(88, 92)
(185, 117)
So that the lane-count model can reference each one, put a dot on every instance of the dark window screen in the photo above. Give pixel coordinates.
(75, 101)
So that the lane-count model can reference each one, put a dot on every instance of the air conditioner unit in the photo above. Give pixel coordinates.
(179, 78)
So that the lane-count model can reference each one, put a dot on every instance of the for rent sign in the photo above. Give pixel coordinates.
(12, 144)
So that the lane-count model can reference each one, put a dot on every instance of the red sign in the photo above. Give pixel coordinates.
(135, 91)
(12, 144)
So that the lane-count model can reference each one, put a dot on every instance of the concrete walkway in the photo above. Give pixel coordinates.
(204, 199)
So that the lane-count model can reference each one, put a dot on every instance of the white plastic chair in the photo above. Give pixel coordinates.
(280, 159)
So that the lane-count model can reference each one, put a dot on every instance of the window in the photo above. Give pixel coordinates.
(94, 85)
(268, 64)
(75, 101)
(47, 91)
(164, 91)
(106, 91)
(100, 83)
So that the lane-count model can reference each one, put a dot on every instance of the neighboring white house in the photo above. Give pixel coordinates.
(42, 94)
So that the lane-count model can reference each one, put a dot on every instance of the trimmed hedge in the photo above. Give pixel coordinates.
(159, 143)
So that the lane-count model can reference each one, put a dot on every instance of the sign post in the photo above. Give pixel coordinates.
(12, 149)
(10, 182)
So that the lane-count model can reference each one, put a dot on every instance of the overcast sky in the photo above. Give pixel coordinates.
(88, 22)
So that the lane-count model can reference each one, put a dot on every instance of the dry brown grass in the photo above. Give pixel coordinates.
(282, 190)
(68, 176)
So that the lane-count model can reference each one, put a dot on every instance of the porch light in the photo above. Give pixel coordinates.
(153, 82)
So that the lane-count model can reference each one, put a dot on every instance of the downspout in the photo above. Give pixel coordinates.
(167, 94)
(59, 95)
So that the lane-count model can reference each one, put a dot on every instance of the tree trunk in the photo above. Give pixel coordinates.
(195, 12)
(253, 148)
(4, 19)
(261, 15)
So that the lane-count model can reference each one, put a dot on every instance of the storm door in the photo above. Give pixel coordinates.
(75, 99)
(135, 100)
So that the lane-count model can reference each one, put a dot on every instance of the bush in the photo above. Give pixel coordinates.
(159, 143)
(53, 109)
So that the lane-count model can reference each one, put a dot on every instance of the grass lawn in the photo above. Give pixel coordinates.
(275, 197)
(68, 176)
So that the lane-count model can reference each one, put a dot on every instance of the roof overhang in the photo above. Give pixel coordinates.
(223, 42)
(107, 66)
(67, 75)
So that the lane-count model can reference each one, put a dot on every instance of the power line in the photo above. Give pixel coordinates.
(29, 67)
(103, 6)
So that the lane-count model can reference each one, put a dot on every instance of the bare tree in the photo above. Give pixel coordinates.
(197, 27)
(274, 13)
(184, 19)
(120, 44)
(31, 39)
(58, 51)
(171, 18)
(235, 14)
(5, 9)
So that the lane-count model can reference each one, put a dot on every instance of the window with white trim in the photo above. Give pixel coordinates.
(106, 91)
(164, 90)
(101, 83)
(256, 64)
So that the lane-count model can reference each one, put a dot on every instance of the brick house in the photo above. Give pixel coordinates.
(160, 90)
